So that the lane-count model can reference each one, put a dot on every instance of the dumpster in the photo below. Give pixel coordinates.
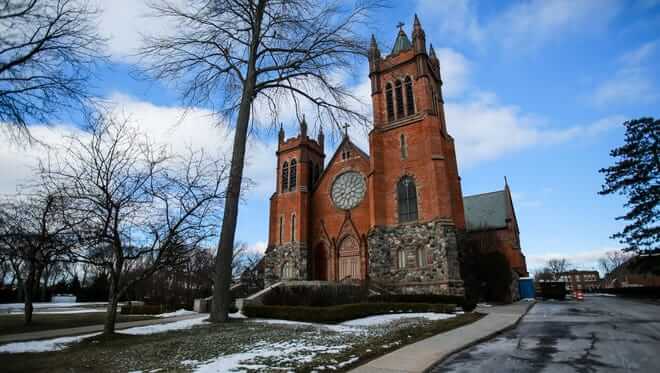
(526, 287)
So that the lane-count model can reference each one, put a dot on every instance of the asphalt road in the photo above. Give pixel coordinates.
(600, 334)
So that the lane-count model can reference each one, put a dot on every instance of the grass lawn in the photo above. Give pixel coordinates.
(247, 345)
(13, 324)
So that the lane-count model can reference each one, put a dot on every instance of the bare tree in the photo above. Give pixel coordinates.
(47, 51)
(558, 266)
(133, 207)
(543, 274)
(33, 237)
(612, 261)
(234, 54)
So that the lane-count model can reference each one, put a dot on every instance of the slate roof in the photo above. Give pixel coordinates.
(402, 43)
(486, 211)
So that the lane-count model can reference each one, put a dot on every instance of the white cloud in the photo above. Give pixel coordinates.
(524, 25)
(484, 129)
(172, 126)
(632, 83)
(455, 70)
(124, 21)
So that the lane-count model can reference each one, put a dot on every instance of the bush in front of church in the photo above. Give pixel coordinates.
(340, 313)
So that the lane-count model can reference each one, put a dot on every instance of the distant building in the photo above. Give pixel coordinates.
(581, 280)
(638, 271)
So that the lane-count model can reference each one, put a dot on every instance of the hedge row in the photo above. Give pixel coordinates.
(336, 314)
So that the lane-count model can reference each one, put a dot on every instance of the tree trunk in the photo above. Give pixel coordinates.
(224, 257)
(111, 313)
(28, 292)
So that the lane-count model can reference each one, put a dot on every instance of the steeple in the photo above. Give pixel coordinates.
(419, 36)
(374, 54)
(433, 57)
(321, 137)
(280, 134)
(303, 127)
(402, 42)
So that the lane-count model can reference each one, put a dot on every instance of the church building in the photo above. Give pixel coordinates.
(393, 216)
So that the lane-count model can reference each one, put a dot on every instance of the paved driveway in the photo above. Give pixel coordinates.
(600, 334)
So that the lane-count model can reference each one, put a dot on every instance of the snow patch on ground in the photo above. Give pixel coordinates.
(180, 312)
(358, 325)
(160, 328)
(56, 344)
(386, 319)
(12, 306)
(237, 315)
(299, 351)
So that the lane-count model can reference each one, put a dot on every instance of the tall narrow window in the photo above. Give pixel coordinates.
(398, 94)
(285, 177)
(311, 175)
(390, 102)
(292, 179)
(317, 172)
(410, 103)
(404, 147)
(293, 227)
(281, 229)
(407, 198)
(421, 257)
(401, 259)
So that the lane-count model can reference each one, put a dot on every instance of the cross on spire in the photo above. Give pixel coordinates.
(345, 126)
(400, 25)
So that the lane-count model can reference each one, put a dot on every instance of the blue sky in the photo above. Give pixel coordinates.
(534, 90)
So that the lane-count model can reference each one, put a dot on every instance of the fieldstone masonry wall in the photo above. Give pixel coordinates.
(436, 239)
(295, 253)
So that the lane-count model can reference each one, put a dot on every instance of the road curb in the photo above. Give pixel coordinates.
(482, 339)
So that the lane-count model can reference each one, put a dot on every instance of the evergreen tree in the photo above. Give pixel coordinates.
(636, 175)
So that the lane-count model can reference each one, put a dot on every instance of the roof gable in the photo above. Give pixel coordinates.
(345, 143)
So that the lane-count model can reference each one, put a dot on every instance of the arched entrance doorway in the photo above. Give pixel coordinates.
(322, 257)
(349, 259)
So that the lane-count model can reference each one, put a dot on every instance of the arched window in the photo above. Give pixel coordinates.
(285, 177)
(288, 271)
(410, 103)
(390, 102)
(292, 180)
(281, 229)
(407, 198)
(404, 147)
(293, 227)
(401, 259)
(398, 94)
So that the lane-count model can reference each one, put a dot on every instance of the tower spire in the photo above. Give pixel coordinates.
(374, 54)
(303, 127)
(280, 134)
(419, 36)
(402, 42)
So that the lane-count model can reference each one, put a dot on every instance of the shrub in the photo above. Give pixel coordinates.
(315, 296)
(336, 314)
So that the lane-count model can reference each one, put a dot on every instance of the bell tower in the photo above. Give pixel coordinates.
(300, 163)
(410, 143)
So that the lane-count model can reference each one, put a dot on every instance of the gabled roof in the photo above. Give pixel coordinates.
(402, 43)
(346, 141)
(486, 211)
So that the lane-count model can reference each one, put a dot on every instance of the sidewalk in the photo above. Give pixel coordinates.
(55, 333)
(420, 356)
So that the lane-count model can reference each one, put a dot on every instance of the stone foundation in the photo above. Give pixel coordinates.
(438, 244)
(275, 258)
